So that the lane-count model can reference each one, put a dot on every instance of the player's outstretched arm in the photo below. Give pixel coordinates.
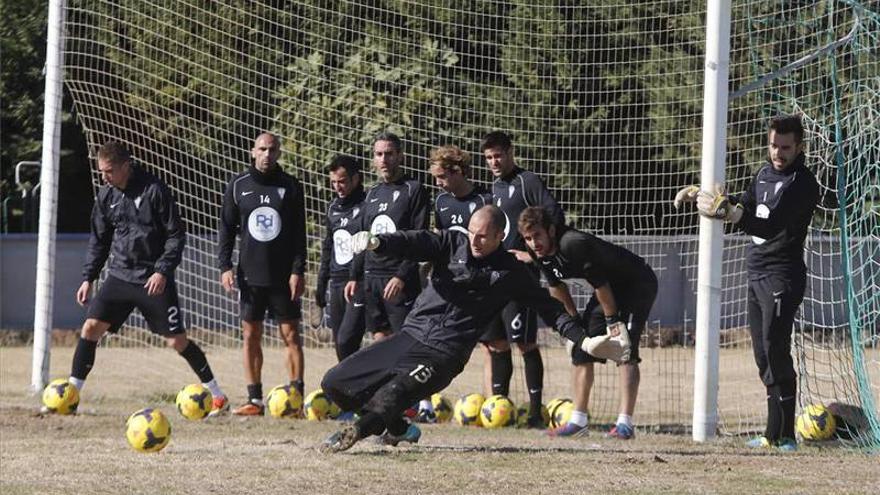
(413, 245)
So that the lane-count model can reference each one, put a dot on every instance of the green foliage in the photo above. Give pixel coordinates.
(603, 98)
(22, 84)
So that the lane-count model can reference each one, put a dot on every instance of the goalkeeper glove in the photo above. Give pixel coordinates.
(363, 241)
(605, 347)
(717, 205)
(614, 345)
(686, 195)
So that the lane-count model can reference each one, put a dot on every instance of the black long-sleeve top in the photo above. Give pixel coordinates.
(391, 207)
(465, 292)
(777, 210)
(341, 222)
(267, 211)
(583, 256)
(453, 212)
(140, 226)
(515, 192)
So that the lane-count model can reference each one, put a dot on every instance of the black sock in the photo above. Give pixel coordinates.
(299, 386)
(83, 358)
(787, 396)
(369, 423)
(774, 414)
(502, 370)
(255, 392)
(197, 361)
(534, 367)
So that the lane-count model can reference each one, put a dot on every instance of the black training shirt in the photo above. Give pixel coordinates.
(516, 192)
(583, 256)
(777, 210)
(390, 207)
(140, 226)
(465, 293)
(267, 211)
(451, 211)
(341, 223)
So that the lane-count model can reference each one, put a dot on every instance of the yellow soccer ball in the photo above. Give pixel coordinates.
(522, 415)
(816, 423)
(497, 412)
(61, 397)
(552, 405)
(560, 412)
(148, 430)
(284, 401)
(442, 407)
(194, 401)
(334, 411)
(467, 410)
(317, 406)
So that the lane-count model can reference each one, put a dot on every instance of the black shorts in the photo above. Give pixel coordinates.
(516, 323)
(117, 298)
(355, 380)
(388, 316)
(255, 301)
(633, 310)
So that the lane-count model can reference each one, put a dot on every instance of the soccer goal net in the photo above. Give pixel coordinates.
(603, 99)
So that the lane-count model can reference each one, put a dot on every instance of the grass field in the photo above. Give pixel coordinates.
(88, 453)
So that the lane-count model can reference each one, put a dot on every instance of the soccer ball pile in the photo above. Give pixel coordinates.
(61, 397)
(148, 430)
(194, 402)
(499, 411)
(816, 423)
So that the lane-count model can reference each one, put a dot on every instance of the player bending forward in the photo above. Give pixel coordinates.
(471, 281)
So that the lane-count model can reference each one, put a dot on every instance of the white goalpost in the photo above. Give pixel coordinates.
(711, 248)
(45, 285)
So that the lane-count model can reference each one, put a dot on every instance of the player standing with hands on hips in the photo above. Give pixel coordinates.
(264, 206)
(135, 219)
(775, 209)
